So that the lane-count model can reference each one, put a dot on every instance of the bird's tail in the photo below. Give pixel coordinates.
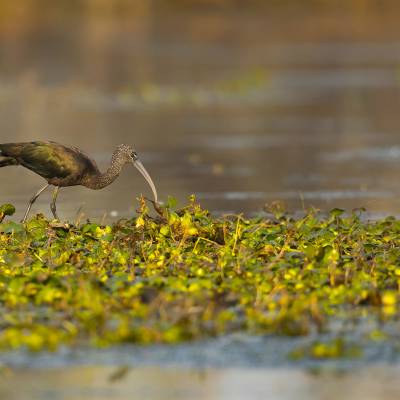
(6, 161)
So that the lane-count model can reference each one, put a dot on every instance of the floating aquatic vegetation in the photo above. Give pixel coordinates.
(6, 209)
(188, 275)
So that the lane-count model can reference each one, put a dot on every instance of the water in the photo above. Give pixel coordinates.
(94, 383)
(236, 108)
(241, 107)
(232, 367)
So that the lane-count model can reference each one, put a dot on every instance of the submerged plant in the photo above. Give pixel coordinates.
(189, 275)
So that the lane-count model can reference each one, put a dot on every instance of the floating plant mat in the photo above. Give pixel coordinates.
(189, 275)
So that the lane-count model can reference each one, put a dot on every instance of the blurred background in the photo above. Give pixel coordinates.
(239, 102)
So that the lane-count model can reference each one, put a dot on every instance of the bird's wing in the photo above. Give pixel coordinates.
(51, 160)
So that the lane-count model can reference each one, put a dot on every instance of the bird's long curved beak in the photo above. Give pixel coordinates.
(139, 166)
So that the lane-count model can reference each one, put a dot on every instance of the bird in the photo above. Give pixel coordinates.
(63, 166)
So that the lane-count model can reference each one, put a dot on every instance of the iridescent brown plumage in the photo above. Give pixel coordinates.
(65, 166)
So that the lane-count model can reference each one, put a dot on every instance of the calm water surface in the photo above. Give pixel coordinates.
(239, 109)
(94, 383)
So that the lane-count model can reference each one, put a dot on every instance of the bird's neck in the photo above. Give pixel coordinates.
(101, 180)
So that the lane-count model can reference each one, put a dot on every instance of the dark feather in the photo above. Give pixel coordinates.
(6, 161)
(56, 163)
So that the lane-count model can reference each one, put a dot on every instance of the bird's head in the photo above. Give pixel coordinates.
(128, 155)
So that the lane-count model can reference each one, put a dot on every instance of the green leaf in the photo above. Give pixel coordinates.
(171, 202)
(336, 212)
(12, 227)
(6, 209)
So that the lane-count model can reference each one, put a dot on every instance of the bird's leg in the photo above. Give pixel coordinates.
(32, 200)
(53, 206)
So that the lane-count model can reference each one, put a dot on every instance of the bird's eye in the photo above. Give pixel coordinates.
(134, 155)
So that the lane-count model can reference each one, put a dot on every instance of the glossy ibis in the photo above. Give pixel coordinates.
(65, 166)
